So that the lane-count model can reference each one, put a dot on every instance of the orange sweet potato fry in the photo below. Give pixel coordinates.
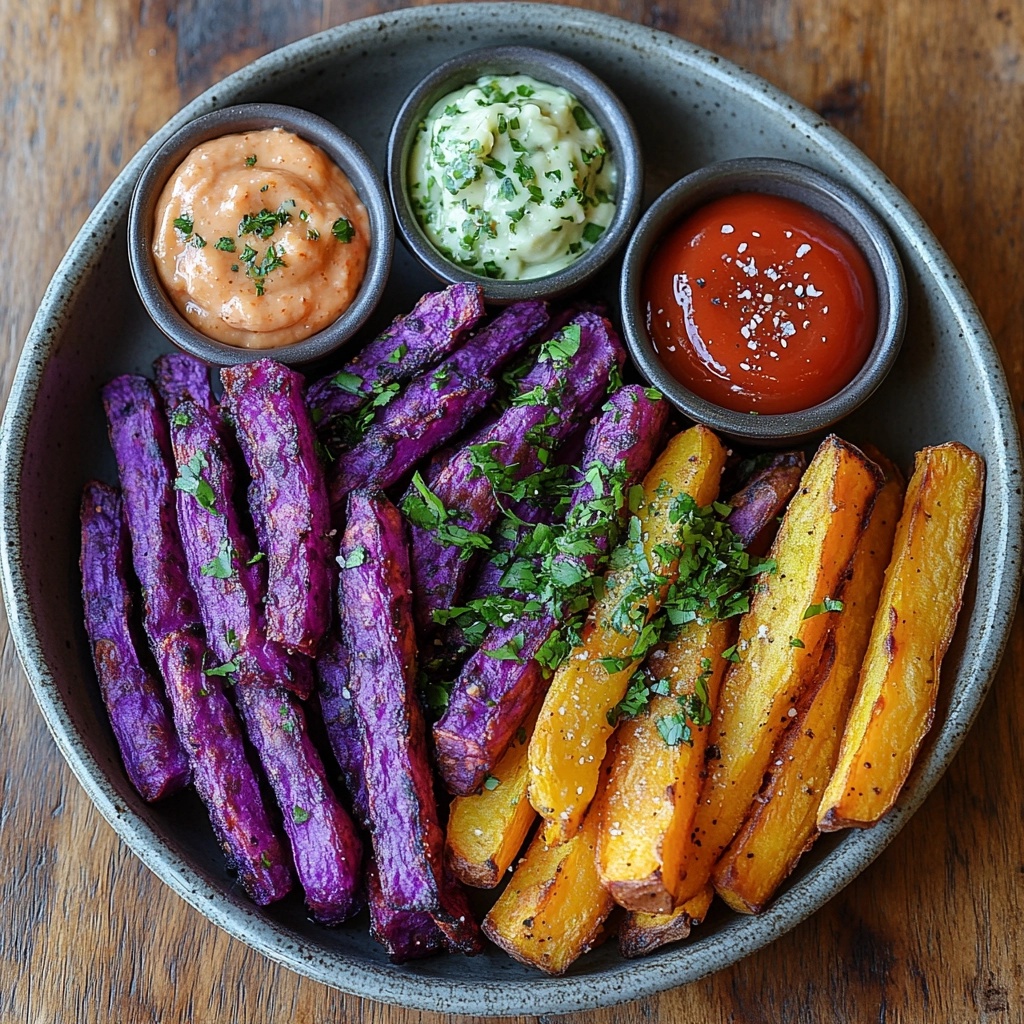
(486, 830)
(650, 791)
(570, 740)
(640, 934)
(917, 612)
(782, 640)
(781, 825)
(554, 906)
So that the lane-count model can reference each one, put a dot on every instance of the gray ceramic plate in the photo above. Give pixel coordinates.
(947, 385)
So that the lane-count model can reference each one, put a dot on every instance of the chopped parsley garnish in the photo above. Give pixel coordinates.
(300, 815)
(184, 224)
(225, 244)
(342, 230)
(219, 567)
(222, 670)
(581, 118)
(355, 558)
(263, 224)
(563, 346)
(250, 161)
(508, 651)
(592, 232)
(348, 382)
(828, 605)
(491, 783)
(425, 509)
(190, 480)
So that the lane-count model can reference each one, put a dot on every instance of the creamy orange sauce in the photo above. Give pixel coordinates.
(253, 252)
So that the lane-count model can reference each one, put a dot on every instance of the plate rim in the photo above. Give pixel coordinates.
(627, 979)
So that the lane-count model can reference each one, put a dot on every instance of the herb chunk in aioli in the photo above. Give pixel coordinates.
(511, 178)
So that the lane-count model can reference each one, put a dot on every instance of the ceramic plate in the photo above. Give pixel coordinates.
(691, 107)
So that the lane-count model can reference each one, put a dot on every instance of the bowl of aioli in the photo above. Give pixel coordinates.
(764, 298)
(514, 168)
(257, 230)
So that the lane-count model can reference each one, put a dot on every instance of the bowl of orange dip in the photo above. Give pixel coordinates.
(764, 298)
(259, 230)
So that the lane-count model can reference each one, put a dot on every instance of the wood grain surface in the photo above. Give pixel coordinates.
(934, 93)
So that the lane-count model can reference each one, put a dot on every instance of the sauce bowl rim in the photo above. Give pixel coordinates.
(552, 68)
(827, 196)
(237, 119)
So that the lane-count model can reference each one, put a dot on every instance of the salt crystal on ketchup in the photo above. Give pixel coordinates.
(758, 303)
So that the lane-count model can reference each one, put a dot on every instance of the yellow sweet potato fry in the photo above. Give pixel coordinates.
(640, 934)
(487, 829)
(649, 796)
(781, 825)
(554, 907)
(782, 640)
(917, 612)
(571, 736)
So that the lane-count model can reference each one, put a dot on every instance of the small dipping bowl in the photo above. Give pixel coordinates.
(838, 204)
(235, 121)
(610, 116)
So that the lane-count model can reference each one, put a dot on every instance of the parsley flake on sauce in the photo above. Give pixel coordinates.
(342, 230)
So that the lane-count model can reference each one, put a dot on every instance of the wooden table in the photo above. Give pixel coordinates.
(934, 93)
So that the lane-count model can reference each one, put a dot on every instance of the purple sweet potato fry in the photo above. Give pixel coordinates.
(413, 343)
(227, 582)
(492, 696)
(155, 761)
(494, 345)
(569, 390)
(455, 919)
(421, 419)
(288, 498)
(325, 844)
(757, 505)
(223, 777)
(436, 405)
(337, 705)
(204, 718)
(142, 448)
(376, 627)
(404, 934)
(180, 378)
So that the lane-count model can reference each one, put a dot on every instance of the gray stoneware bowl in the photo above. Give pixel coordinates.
(556, 69)
(691, 108)
(346, 153)
(842, 206)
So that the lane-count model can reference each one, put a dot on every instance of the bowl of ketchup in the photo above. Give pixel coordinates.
(764, 298)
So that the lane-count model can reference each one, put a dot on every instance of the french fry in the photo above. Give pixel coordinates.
(782, 640)
(654, 773)
(572, 732)
(781, 826)
(554, 906)
(917, 612)
(640, 934)
(649, 798)
(487, 829)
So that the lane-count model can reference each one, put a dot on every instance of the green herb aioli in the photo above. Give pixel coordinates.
(510, 178)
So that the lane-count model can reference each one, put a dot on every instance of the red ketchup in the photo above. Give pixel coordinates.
(760, 304)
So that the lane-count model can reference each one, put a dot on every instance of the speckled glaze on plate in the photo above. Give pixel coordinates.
(948, 384)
